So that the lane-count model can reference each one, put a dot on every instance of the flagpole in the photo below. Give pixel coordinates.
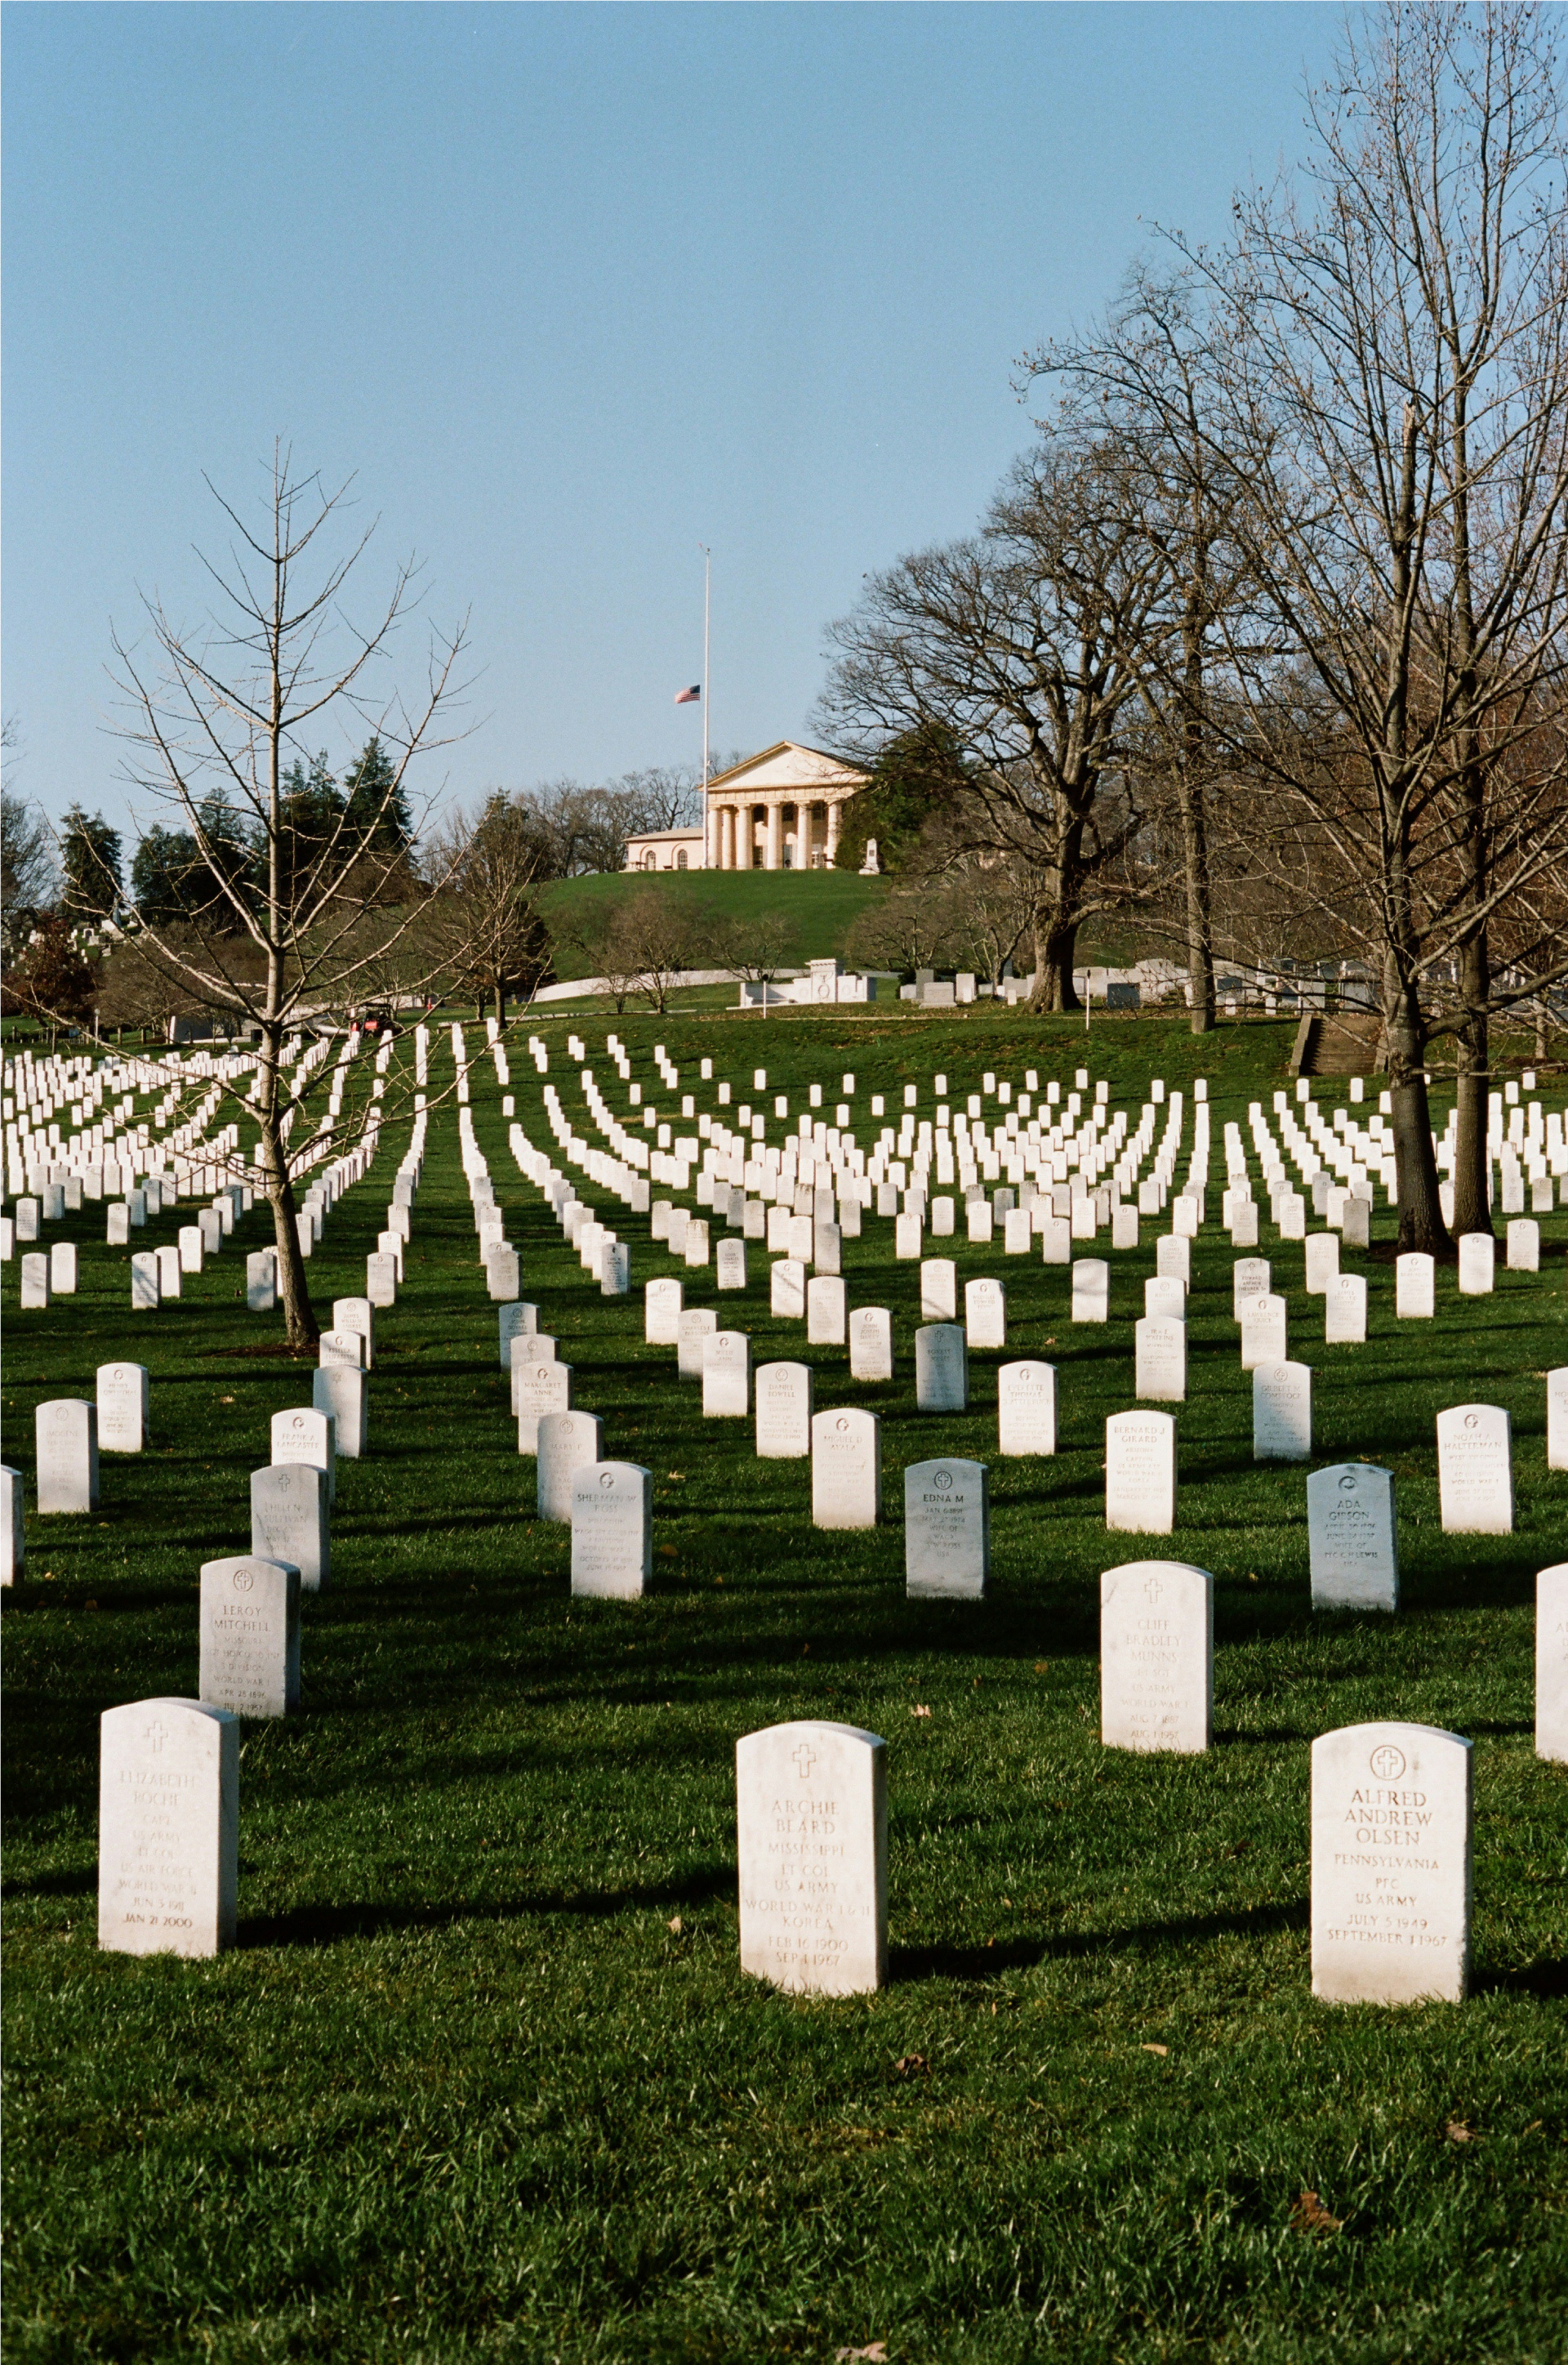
(707, 602)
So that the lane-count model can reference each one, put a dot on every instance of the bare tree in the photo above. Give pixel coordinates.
(755, 943)
(1027, 644)
(663, 933)
(909, 928)
(480, 931)
(1391, 353)
(29, 875)
(217, 712)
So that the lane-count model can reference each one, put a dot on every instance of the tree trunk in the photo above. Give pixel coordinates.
(1056, 945)
(1189, 792)
(1471, 1211)
(1421, 1210)
(299, 1315)
(500, 1004)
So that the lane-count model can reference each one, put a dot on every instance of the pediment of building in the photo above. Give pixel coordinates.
(808, 771)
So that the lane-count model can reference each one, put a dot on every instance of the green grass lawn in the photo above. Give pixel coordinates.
(820, 906)
(481, 2079)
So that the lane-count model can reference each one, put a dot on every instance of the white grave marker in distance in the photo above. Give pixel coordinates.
(306, 1434)
(1391, 1865)
(946, 1510)
(731, 1263)
(518, 1320)
(939, 1290)
(1026, 1409)
(697, 1324)
(1282, 1412)
(1250, 1277)
(1173, 1258)
(565, 1443)
(662, 1303)
(612, 1530)
(65, 1436)
(1264, 1332)
(342, 1392)
(985, 1313)
(168, 1828)
(783, 1392)
(1414, 1286)
(1345, 1311)
(1090, 1290)
(1475, 1477)
(1353, 1537)
(812, 1818)
(288, 1521)
(1557, 1419)
(1165, 1297)
(1551, 1663)
(1140, 1473)
(871, 1343)
(825, 1311)
(1157, 1656)
(1160, 1352)
(726, 1375)
(13, 1525)
(941, 1369)
(124, 1398)
(539, 1386)
(1477, 1261)
(250, 1636)
(786, 1294)
(846, 1468)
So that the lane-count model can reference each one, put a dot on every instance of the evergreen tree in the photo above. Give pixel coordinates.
(377, 802)
(164, 873)
(90, 858)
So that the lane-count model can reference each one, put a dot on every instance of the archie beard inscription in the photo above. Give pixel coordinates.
(812, 1827)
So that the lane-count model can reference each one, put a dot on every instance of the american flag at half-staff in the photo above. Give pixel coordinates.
(691, 696)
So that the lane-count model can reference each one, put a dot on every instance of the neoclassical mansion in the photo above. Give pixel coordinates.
(778, 811)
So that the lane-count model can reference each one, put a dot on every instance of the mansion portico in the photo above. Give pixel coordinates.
(778, 811)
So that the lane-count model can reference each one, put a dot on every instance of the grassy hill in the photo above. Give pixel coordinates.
(822, 905)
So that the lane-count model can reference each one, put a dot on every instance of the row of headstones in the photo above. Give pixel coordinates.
(1391, 1808)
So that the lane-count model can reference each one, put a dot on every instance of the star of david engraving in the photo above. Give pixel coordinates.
(805, 1758)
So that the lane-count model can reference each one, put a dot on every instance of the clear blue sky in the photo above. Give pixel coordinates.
(572, 289)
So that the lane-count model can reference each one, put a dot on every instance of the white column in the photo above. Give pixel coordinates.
(832, 834)
(713, 821)
(726, 837)
(774, 859)
(746, 844)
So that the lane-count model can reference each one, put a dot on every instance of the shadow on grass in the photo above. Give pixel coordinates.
(328, 1925)
(993, 1959)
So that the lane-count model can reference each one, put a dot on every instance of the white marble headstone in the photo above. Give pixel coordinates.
(941, 1369)
(305, 1433)
(519, 1320)
(1477, 1259)
(288, 1521)
(1250, 1277)
(1551, 1663)
(697, 1324)
(342, 1392)
(539, 1388)
(1173, 1256)
(663, 1302)
(13, 1525)
(123, 1404)
(846, 1468)
(1165, 1297)
(1475, 1477)
(783, 1397)
(730, 1263)
(1264, 1332)
(947, 1512)
(787, 1295)
(871, 1343)
(1415, 1290)
(1157, 1656)
(1026, 1409)
(1160, 1348)
(565, 1443)
(825, 1311)
(812, 1816)
(726, 1375)
(612, 1530)
(357, 1314)
(985, 1313)
(939, 1290)
(1524, 1245)
(1140, 1473)
(250, 1636)
(1557, 1419)
(1345, 1310)
(1282, 1412)
(1090, 1290)
(66, 1432)
(1352, 1537)
(168, 1828)
(1322, 1262)
(1391, 1865)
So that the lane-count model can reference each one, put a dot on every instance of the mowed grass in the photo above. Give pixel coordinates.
(819, 907)
(482, 2079)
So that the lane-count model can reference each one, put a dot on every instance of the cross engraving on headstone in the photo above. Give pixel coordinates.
(156, 1736)
(1153, 1590)
(805, 1758)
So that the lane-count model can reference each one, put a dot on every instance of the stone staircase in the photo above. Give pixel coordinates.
(1338, 1043)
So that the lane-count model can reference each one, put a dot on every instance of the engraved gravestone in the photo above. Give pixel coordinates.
(1244, 1225)
(357, 1314)
(519, 1320)
(1165, 1297)
(1026, 1409)
(169, 1276)
(1345, 1310)
(1475, 1477)
(61, 1268)
(1352, 1537)
(1391, 1865)
(663, 1302)
(539, 1388)
(1551, 1663)
(941, 1369)
(1055, 1240)
(503, 1275)
(1157, 1656)
(1250, 1277)
(1090, 1290)
(1322, 1262)
(726, 1375)
(168, 1828)
(1557, 1419)
(341, 1392)
(381, 1279)
(825, 1311)
(846, 1468)
(123, 1402)
(939, 1290)
(1282, 1412)
(1414, 1286)
(1524, 1245)
(612, 1530)
(732, 1265)
(341, 1347)
(1477, 1258)
(250, 1636)
(615, 1269)
(13, 1525)
(145, 1291)
(783, 1396)
(947, 1513)
(1264, 1332)
(65, 1435)
(786, 1294)
(261, 1281)
(697, 1324)
(288, 1521)
(871, 1343)
(1173, 1258)
(565, 1442)
(1016, 1234)
(811, 1820)
(1160, 1351)
(1140, 1473)
(907, 1235)
(985, 1313)
(302, 1433)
